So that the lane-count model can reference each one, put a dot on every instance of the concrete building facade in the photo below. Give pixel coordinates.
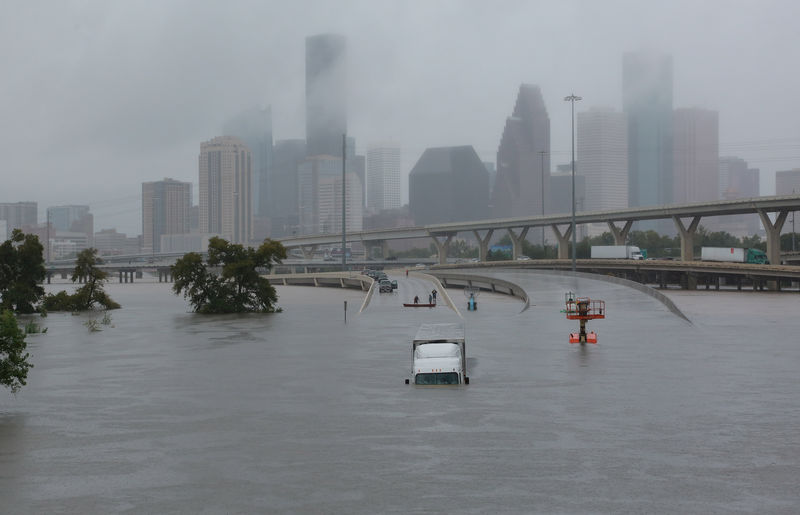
(383, 177)
(695, 155)
(254, 128)
(787, 182)
(602, 141)
(320, 197)
(18, 215)
(166, 209)
(225, 189)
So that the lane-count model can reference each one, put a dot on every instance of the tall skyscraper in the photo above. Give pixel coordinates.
(523, 159)
(254, 128)
(286, 157)
(76, 219)
(647, 102)
(18, 215)
(166, 209)
(448, 184)
(383, 177)
(326, 94)
(696, 155)
(602, 141)
(320, 196)
(225, 189)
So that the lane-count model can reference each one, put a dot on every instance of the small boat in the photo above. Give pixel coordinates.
(418, 305)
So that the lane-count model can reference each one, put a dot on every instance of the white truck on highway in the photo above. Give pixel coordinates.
(439, 354)
(616, 252)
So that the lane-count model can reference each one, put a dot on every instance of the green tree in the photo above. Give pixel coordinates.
(21, 272)
(237, 286)
(14, 364)
(88, 272)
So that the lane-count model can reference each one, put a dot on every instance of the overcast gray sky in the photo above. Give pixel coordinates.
(98, 96)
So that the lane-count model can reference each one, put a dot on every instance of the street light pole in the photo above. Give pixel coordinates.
(572, 98)
(793, 212)
(344, 182)
(544, 250)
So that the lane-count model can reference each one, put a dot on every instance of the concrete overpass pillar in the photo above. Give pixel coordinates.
(483, 243)
(442, 247)
(687, 237)
(384, 249)
(773, 234)
(620, 235)
(563, 240)
(516, 241)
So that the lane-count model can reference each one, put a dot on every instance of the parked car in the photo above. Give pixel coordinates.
(523, 258)
(394, 285)
(385, 286)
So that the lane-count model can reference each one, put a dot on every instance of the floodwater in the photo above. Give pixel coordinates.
(166, 411)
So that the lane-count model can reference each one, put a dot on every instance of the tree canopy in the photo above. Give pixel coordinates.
(231, 283)
(90, 294)
(21, 272)
(14, 364)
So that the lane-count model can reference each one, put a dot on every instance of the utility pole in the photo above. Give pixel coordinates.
(344, 187)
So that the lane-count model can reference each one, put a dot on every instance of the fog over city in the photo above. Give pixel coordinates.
(97, 97)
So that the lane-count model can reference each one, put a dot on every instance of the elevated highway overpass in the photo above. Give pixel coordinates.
(773, 212)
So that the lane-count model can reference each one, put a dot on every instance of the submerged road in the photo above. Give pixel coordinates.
(172, 412)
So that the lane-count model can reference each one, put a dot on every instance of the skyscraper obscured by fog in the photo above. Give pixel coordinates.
(523, 159)
(326, 94)
(166, 209)
(225, 189)
(696, 155)
(286, 157)
(787, 182)
(17, 215)
(602, 141)
(254, 128)
(736, 180)
(448, 184)
(647, 102)
(383, 177)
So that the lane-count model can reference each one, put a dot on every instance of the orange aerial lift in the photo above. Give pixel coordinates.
(583, 309)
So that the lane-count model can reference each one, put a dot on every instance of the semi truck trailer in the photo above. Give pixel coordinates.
(439, 355)
(733, 255)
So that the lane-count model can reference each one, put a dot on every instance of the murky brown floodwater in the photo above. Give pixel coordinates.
(171, 412)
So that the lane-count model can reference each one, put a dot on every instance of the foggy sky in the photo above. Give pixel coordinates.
(98, 96)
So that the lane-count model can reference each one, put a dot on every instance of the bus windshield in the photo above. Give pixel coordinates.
(437, 378)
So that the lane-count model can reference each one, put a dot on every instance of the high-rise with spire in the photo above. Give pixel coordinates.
(523, 158)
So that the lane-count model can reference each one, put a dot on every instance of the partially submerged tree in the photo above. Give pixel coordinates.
(237, 286)
(14, 364)
(21, 272)
(92, 276)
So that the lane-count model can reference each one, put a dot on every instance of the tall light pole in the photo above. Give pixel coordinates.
(793, 212)
(572, 98)
(344, 183)
(544, 250)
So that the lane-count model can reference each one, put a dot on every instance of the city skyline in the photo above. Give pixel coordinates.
(111, 116)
